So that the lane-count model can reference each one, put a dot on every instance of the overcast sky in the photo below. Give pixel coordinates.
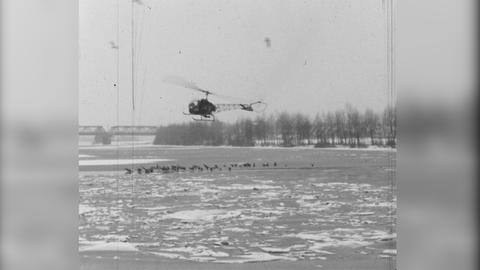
(322, 55)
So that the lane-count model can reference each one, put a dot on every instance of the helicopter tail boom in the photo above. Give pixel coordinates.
(244, 107)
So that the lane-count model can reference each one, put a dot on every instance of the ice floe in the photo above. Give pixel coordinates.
(85, 156)
(203, 215)
(256, 257)
(169, 255)
(247, 187)
(236, 229)
(390, 251)
(103, 162)
(82, 209)
(199, 251)
(108, 246)
(340, 237)
(276, 249)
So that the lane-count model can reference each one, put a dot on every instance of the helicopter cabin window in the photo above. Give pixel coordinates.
(193, 107)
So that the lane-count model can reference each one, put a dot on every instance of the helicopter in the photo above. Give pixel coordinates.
(204, 110)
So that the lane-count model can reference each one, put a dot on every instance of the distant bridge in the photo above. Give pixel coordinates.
(129, 130)
(91, 130)
(101, 135)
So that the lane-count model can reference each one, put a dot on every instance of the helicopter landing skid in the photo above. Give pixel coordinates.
(202, 118)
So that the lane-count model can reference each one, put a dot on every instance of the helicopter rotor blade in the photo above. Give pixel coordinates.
(179, 81)
(258, 106)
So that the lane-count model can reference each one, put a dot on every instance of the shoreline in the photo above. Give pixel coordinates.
(302, 147)
(137, 260)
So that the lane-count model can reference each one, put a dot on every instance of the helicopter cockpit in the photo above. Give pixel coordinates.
(193, 107)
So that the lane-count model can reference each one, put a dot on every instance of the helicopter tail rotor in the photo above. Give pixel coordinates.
(258, 107)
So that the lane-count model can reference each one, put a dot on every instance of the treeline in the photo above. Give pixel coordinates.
(347, 126)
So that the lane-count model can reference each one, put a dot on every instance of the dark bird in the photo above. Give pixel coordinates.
(267, 42)
(113, 45)
(128, 171)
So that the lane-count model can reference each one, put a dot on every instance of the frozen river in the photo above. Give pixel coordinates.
(316, 206)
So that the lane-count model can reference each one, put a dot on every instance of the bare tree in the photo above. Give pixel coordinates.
(331, 127)
(371, 121)
(285, 126)
(354, 125)
(340, 126)
(319, 129)
(248, 133)
(389, 122)
(260, 129)
(303, 128)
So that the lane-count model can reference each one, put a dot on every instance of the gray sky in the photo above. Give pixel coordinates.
(323, 54)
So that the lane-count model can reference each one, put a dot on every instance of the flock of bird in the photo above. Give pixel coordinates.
(199, 168)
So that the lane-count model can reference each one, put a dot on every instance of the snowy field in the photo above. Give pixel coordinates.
(317, 208)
